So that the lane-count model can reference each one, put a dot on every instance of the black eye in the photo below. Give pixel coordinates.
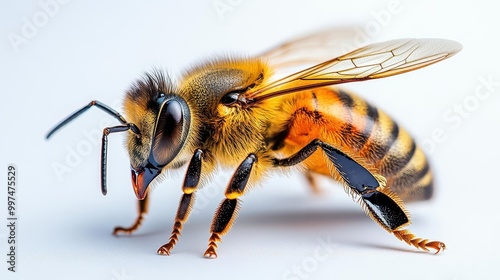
(170, 133)
(230, 98)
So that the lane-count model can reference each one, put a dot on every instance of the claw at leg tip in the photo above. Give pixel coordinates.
(441, 247)
(118, 230)
(210, 255)
(163, 251)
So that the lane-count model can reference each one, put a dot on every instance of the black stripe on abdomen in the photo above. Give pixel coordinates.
(395, 160)
(371, 119)
(411, 176)
(382, 140)
(348, 104)
(354, 109)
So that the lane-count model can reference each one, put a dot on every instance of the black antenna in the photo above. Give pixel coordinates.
(125, 126)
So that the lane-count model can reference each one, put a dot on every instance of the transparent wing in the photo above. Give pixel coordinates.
(312, 48)
(371, 62)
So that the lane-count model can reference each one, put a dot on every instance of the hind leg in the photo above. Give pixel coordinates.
(382, 205)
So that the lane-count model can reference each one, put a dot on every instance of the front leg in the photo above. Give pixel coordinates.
(191, 182)
(226, 213)
(142, 209)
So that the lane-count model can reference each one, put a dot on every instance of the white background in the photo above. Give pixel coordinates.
(79, 51)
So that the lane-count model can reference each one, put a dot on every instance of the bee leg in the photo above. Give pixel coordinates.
(191, 181)
(225, 215)
(143, 209)
(420, 243)
(185, 205)
(387, 210)
(379, 203)
(223, 220)
(351, 172)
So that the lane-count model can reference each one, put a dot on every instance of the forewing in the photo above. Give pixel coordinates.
(371, 62)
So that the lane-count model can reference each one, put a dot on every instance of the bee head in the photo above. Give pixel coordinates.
(164, 118)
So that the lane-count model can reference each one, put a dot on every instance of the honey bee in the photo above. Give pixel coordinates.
(232, 113)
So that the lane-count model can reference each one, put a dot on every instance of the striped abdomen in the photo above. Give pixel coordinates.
(359, 129)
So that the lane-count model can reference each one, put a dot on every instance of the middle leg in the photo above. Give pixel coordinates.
(226, 213)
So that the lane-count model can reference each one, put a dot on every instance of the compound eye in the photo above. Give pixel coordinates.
(170, 132)
(230, 98)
